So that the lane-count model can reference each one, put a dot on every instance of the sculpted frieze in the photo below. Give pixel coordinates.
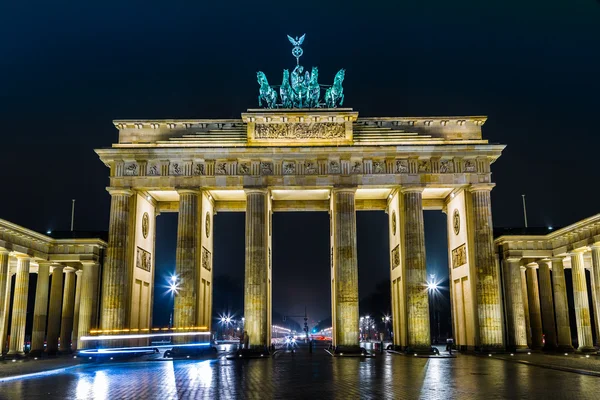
(446, 166)
(176, 169)
(206, 259)
(470, 166)
(289, 168)
(153, 170)
(334, 167)
(221, 168)
(402, 166)
(199, 169)
(310, 167)
(266, 168)
(244, 168)
(424, 166)
(317, 130)
(356, 167)
(378, 167)
(131, 169)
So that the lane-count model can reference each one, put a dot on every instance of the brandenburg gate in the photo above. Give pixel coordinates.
(303, 152)
(322, 159)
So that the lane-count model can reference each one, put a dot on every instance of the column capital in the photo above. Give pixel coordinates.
(344, 188)
(560, 259)
(69, 269)
(256, 189)
(20, 256)
(595, 246)
(91, 263)
(78, 272)
(57, 267)
(4, 251)
(188, 190)
(412, 189)
(532, 264)
(478, 187)
(513, 259)
(575, 252)
(119, 191)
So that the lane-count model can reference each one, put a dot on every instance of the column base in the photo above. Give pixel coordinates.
(565, 348)
(550, 347)
(587, 349)
(344, 351)
(15, 355)
(253, 352)
(35, 353)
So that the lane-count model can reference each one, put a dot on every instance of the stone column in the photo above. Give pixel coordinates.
(526, 305)
(256, 272)
(595, 275)
(89, 285)
(582, 307)
(517, 332)
(343, 218)
(489, 308)
(19, 310)
(417, 301)
(561, 307)
(186, 260)
(56, 291)
(535, 314)
(115, 282)
(66, 323)
(40, 311)
(547, 304)
(4, 295)
(75, 334)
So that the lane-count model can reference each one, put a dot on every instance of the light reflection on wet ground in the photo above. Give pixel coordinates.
(314, 376)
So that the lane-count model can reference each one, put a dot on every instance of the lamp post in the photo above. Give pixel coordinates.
(432, 288)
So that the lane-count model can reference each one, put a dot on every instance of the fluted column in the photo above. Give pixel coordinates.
(547, 303)
(517, 332)
(256, 267)
(115, 282)
(186, 260)
(54, 311)
(345, 270)
(489, 308)
(561, 307)
(66, 323)
(75, 334)
(4, 296)
(40, 311)
(19, 310)
(582, 307)
(535, 314)
(595, 274)
(417, 301)
(89, 285)
(526, 305)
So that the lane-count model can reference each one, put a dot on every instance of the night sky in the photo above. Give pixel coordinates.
(66, 71)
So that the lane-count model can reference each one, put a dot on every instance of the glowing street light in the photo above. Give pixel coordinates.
(432, 286)
(173, 285)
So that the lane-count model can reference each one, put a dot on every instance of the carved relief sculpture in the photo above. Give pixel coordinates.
(289, 168)
(309, 168)
(459, 256)
(378, 167)
(207, 224)
(266, 168)
(145, 225)
(396, 256)
(334, 167)
(131, 169)
(402, 166)
(243, 168)
(221, 168)
(445, 167)
(470, 166)
(357, 167)
(456, 222)
(199, 169)
(143, 259)
(153, 170)
(176, 169)
(424, 166)
(317, 130)
(206, 259)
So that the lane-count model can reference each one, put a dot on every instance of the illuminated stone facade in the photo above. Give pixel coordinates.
(538, 317)
(306, 160)
(72, 310)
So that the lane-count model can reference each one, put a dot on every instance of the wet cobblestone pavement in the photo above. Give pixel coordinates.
(316, 376)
